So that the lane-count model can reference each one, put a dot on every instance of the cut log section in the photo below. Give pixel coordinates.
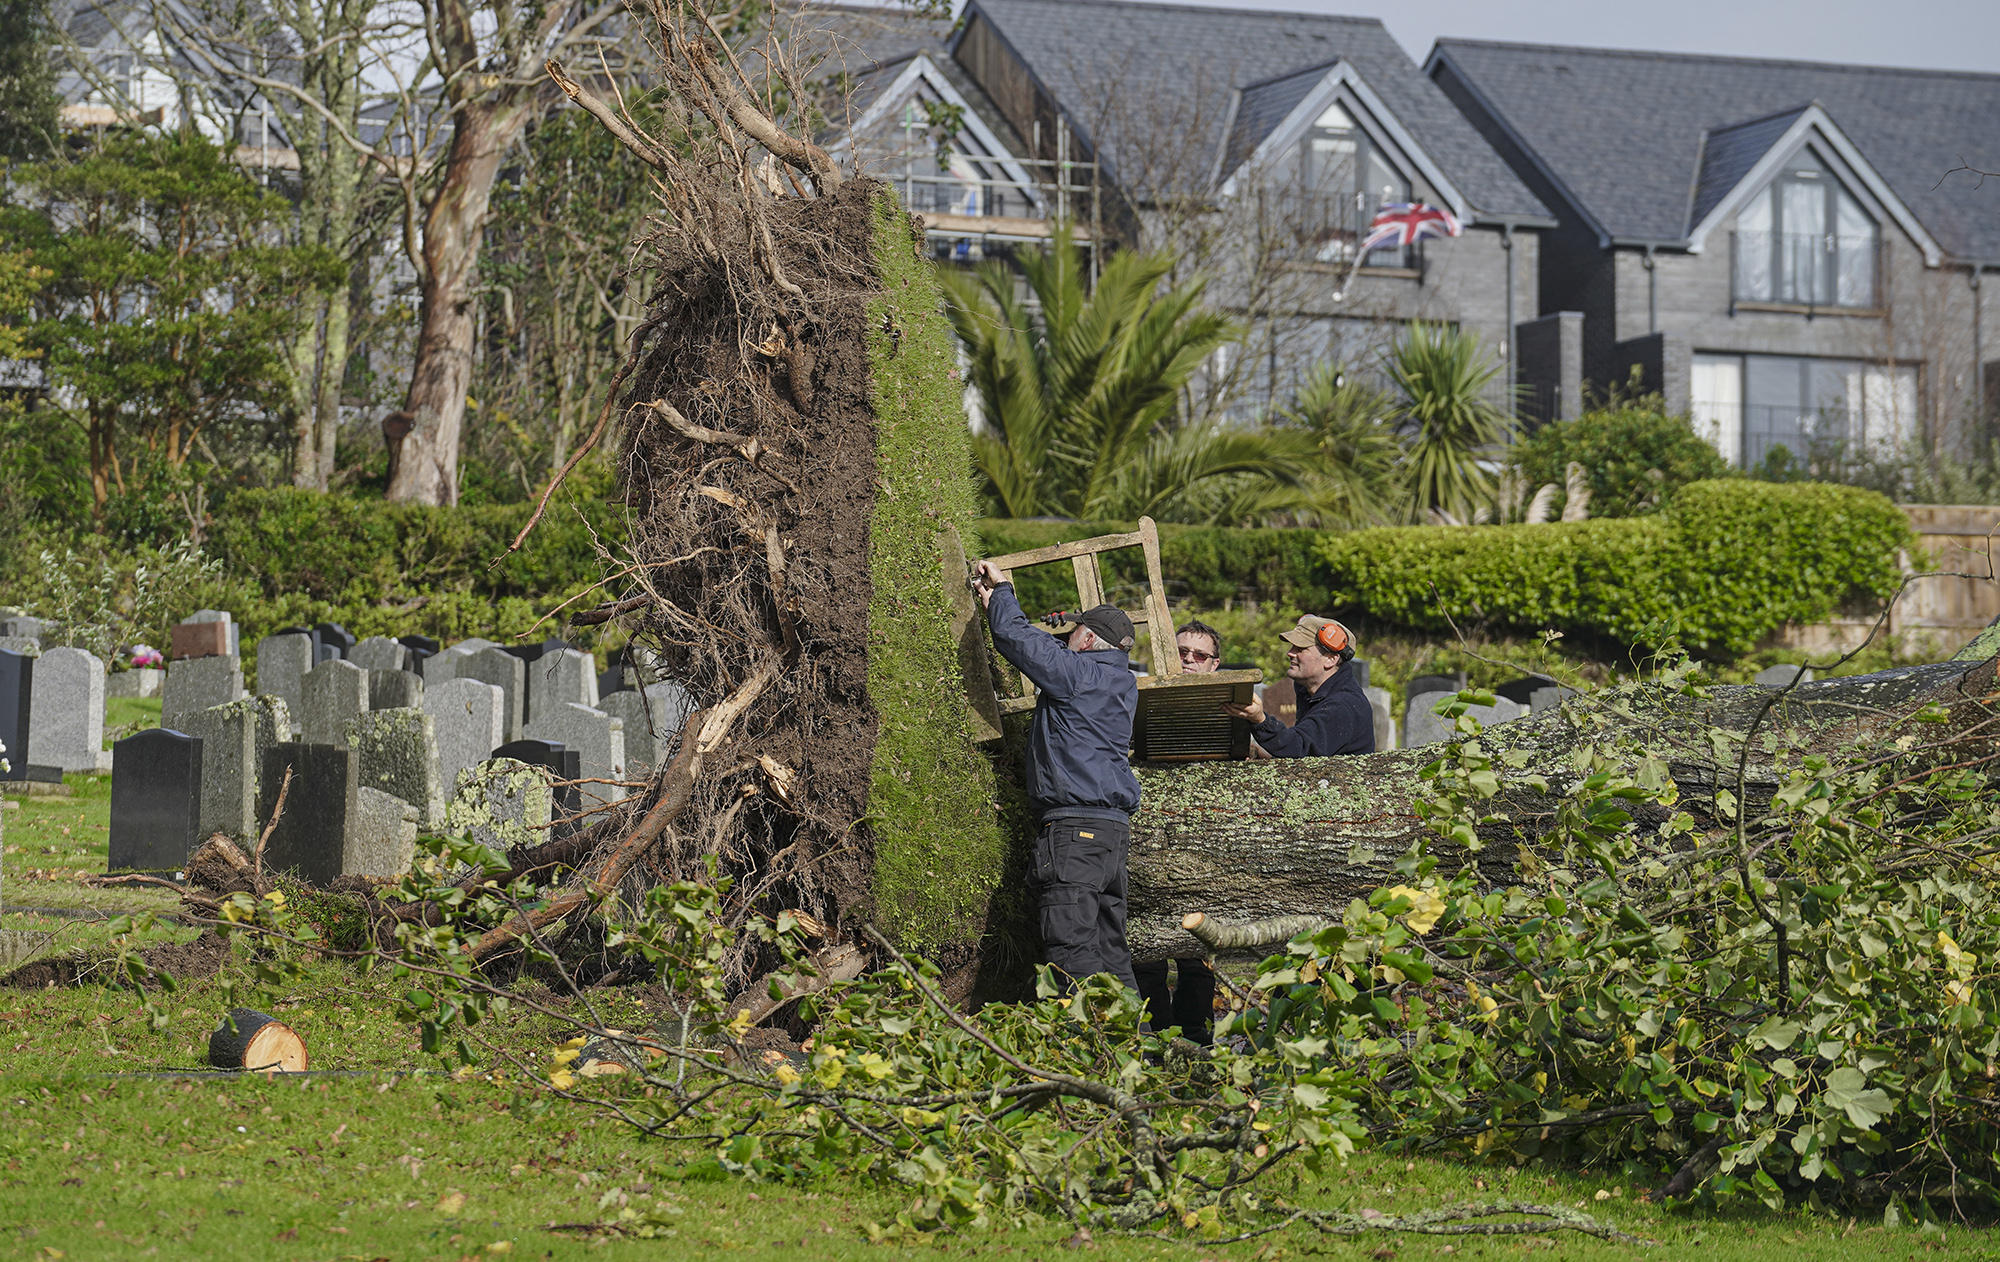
(256, 1041)
(618, 1053)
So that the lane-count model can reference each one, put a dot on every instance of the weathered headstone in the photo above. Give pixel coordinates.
(469, 720)
(155, 801)
(1281, 701)
(395, 690)
(144, 681)
(445, 665)
(422, 649)
(234, 738)
(597, 738)
(66, 713)
(335, 637)
(379, 652)
(26, 646)
(1385, 718)
(1549, 697)
(382, 837)
(564, 764)
(17, 691)
(197, 683)
(282, 663)
(310, 838)
(559, 677)
(335, 691)
(1782, 676)
(24, 627)
(652, 720)
(200, 639)
(399, 755)
(1433, 683)
(491, 666)
(222, 616)
(503, 802)
(1423, 727)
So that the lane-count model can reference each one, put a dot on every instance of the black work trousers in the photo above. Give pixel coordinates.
(1189, 1005)
(1078, 877)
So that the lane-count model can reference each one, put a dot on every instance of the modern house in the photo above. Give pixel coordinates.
(1783, 248)
(1258, 145)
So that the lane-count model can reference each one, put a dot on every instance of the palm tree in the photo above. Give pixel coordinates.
(1079, 395)
(1449, 424)
(1359, 468)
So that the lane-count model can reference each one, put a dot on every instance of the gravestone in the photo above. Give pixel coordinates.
(379, 652)
(335, 691)
(143, 681)
(445, 665)
(469, 721)
(310, 838)
(1423, 727)
(222, 616)
(564, 764)
(1549, 698)
(17, 691)
(21, 644)
(1522, 691)
(652, 720)
(234, 738)
(598, 740)
(503, 802)
(510, 673)
(199, 639)
(422, 649)
(1281, 701)
(1782, 676)
(536, 652)
(1433, 683)
(558, 677)
(23, 627)
(66, 712)
(382, 839)
(612, 678)
(197, 683)
(395, 690)
(282, 662)
(155, 801)
(399, 756)
(334, 637)
(1385, 719)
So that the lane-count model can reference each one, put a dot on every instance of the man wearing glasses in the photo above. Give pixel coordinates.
(1189, 1004)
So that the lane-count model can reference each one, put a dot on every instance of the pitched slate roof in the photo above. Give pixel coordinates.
(1261, 108)
(1730, 153)
(1097, 56)
(1621, 131)
(873, 45)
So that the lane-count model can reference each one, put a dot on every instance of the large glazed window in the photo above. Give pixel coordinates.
(1344, 179)
(1822, 411)
(1805, 240)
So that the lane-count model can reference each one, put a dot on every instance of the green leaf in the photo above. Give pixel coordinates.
(1776, 1033)
(1847, 1089)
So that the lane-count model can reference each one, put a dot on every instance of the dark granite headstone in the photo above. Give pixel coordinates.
(17, 688)
(155, 801)
(200, 639)
(311, 836)
(612, 678)
(334, 637)
(395, 690)
(1434, 683)
(1522, 690)
(566, 763)
(534, 652)
(1360, 667)
(421, 647)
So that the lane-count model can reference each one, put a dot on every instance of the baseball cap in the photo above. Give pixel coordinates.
(1110, 623)
(1306, 634)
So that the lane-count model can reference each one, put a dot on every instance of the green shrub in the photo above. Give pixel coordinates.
(1620, 447)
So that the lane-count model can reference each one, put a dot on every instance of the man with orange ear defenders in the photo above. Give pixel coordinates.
(1334, 716)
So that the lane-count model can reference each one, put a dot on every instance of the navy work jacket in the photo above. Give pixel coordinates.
(1335, 720)
(1077, 760)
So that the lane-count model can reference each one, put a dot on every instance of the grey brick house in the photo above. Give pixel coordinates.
(1778, 246)
(1256, 144)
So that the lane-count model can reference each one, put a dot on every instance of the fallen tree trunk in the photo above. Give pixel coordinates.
(1248, 841)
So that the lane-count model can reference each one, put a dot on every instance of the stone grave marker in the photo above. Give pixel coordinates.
(233, 740)
(446, 663)
(1782, 676)
(335, 637)
(1522, 691)
(559, 677)
(200, 639)
(1434, 683)
(66, 714)
(652, 720)
(1423, 727)
(1549, 698)
(1385, 717)
(282, 662)
(422, 649)
(399, 756)
(382, 840)
(510, 674)
(310, 838)
(155, 801)
(143, 681)
(468, 719)
(379, 652)
(222, 616)
(21, 644)
(563, 763)
(336, 691)
(598, 740)
(395, 690)
(17, 692)
(21, 626)
(503, 802)
(197, 683)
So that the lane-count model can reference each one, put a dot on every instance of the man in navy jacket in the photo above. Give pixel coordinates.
(1078, 773)
(1334, 715)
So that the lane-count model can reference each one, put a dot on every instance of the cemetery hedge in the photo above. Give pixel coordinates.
(1728, 562)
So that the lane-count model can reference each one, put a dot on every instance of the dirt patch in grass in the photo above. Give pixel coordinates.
(182, 961)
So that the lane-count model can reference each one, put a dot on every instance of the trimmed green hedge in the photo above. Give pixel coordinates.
(1727, 564)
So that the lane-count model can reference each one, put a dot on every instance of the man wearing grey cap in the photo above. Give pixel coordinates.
(1334, 715)
(1078, 773)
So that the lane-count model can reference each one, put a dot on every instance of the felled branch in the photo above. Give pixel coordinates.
(1256, 933)
(842, 963)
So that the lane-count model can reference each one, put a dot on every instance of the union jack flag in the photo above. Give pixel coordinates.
(1405, 223)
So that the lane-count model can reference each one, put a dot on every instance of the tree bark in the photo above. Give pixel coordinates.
(1242, 841)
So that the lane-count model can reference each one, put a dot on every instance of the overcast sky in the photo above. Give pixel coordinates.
(1929, 34)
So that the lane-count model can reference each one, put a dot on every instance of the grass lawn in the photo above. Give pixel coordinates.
(110, 1148)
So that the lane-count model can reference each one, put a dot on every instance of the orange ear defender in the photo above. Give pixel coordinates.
(1333, 638)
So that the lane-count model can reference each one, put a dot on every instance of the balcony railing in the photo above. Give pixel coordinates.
(1808, 269)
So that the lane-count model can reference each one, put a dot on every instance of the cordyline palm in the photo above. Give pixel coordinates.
(1449, 425)
(1079, 397)
(1353, 427)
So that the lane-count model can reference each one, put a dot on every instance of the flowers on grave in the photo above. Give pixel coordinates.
(144, 656)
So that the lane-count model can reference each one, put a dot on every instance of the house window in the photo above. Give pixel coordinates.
(1346, 178)
(1822, 411)
(1805, 239)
